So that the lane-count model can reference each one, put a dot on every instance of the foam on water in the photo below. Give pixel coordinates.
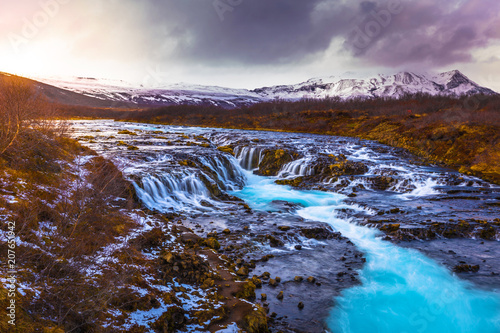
(423, 188)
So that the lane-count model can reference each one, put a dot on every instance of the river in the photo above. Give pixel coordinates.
(395, 288)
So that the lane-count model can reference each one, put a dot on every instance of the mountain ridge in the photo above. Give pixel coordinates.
(123, 94)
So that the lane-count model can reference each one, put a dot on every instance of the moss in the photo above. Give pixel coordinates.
(187, 163)
(170, 321)
(274, 159)
(247, 291)
(212, 243)
(212, 314)
(487, 232)
(207, 283)
(127, 132)
(256, 281)
(243, 271)
(256, 321)
(348, 168)
(295, 182)
(226, 149)
(274, 242)
(390, 227)
(466, 268)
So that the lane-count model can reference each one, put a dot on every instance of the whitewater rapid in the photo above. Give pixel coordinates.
(402, 290)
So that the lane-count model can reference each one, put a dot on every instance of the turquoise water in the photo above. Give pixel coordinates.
(402, 290)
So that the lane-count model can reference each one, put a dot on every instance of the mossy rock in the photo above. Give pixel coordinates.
(295, 182)
(187, 267)
(256, 281)
(390, 227)
(212, 243)
(187, 163)
(462, 268)
(256, 321)
(319, 233)
(349, 168)
(127, 132)
(213, 314)
(274, 159)
(274, 242)
(284, 228)
(226, 149)
(208, 283)
(382, 183)
(243, 271)
(247, 291)
(487, 232)
(170, 321)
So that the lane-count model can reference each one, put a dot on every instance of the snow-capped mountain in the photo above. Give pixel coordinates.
(123, 93)
(452, 83)
(397, 85)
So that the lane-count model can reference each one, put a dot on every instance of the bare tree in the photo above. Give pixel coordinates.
(21, 107)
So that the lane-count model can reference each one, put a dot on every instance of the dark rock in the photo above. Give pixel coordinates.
(284, 228)
(274, 242)
(381, 182)
(320, 233)
(466, 268)
(390, 227)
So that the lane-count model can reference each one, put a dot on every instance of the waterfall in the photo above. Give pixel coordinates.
(170, 192)
(300, 167)
(248, 157)
(184, 189)
(228, 170)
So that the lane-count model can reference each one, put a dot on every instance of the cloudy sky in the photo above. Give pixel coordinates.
(248, 43)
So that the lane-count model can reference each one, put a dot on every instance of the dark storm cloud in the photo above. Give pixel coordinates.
(387, 32)
(425, 32)
(251, 31)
